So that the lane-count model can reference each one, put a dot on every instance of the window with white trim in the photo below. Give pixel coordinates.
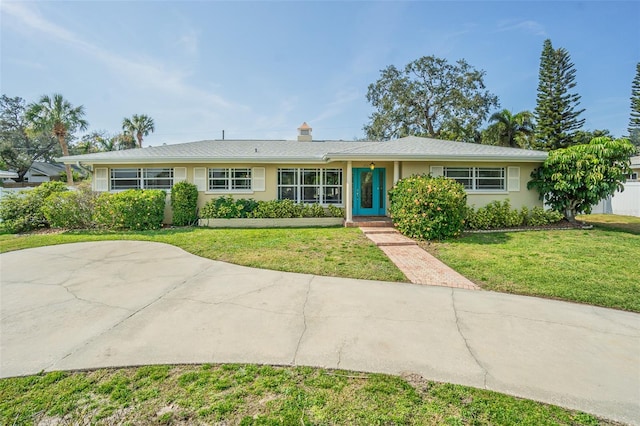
(310, 186)
(134, 178)
(229, 179)
(478, 178)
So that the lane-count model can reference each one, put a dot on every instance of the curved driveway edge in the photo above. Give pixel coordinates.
(121, 303)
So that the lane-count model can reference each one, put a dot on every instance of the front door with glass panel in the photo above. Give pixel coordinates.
(368, 192)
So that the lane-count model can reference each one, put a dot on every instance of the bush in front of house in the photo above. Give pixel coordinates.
(70, 209)
(428, 208)
(134, 209)
(184, 203)
(226, 207)
(499, 215)
(539, 217)
(335, 211)
(496, 214)
(22, 211)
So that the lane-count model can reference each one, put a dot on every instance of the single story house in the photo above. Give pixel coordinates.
(354, 175)
(41, 171)
(5, 174)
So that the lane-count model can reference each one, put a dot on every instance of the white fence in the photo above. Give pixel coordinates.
(625, 203)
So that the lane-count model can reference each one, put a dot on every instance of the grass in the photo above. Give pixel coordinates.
(261, 395)
(339, 252)
(598, 266)
(615, 222)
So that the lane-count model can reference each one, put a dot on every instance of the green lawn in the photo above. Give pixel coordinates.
(598, 266)
(611, 221)
(339, 252)
(261, 395)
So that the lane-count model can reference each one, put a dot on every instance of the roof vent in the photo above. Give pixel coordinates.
(304, 133)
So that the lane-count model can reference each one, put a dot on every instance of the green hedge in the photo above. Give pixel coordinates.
(184, 203)
(135, 209)
(226, 207)
(497, 215)
(22, 211)
(429, 208)
(70, 209)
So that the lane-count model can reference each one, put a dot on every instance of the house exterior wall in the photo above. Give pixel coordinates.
(518, 199)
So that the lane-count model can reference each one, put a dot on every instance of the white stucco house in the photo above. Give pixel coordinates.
(355, 175)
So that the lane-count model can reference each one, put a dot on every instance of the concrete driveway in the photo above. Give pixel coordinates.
(123, 303)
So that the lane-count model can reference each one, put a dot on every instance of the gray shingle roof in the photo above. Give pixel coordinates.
(280, 151)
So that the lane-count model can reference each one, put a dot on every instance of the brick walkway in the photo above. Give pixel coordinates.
(419, 266)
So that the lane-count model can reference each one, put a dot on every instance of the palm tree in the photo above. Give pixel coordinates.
(508, 128)
(138, 125)
(56, 115)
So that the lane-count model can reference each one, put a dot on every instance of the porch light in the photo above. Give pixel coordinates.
(372, 165)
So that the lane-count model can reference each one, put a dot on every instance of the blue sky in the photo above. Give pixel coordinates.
(259, 69)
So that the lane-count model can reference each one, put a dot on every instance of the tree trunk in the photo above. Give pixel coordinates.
(65, 152)
(139, 136)
(570, 215)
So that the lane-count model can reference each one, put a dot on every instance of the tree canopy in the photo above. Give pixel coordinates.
(429, 97)
(138, 126)
(509, 129)
(58, 116)
(19, 148)
(573, 179)
(556, 117)
(634, 120)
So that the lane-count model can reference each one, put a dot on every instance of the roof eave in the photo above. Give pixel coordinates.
(192, 160)
(481, 158)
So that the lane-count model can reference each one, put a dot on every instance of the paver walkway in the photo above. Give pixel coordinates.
(418, 266)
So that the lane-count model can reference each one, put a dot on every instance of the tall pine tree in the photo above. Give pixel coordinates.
(634, 121)
(556, 117)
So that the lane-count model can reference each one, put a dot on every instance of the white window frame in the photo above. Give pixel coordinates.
(471, 182)
(142, 179)
(320, 185)
(232, 182)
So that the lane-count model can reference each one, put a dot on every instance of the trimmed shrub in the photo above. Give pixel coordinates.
(184, 203)
(134, 209)
(313, 210)
(226, 207)
(335, 211)
(496, 214)
(70, 209)
(540, 217)
(278, 209)
(430, 208)
(22, 211)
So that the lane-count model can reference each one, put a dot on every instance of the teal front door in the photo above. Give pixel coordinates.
(368, 192)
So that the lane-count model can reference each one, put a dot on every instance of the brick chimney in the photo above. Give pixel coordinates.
(304, 133)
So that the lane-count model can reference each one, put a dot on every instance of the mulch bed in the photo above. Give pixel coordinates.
(563, 224)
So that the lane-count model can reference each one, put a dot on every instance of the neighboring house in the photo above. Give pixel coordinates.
(7, 175)
(626, 202)
(45, 172)
(353, 175)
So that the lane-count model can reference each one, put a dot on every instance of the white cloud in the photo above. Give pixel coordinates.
(145, 73)
(528, 26)
(188, 43)
(337, 106)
